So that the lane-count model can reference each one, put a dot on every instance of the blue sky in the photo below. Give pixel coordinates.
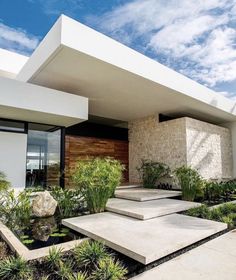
(196, 38)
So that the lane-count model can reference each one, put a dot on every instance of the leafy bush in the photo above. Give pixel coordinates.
(151, 172)
(215, 191)
(15, 209)
(108, 269)
(190, 182)
(89, 253)
(225, 213)
(15, 268)
(69, 202)
(97, 180)
(4, 184)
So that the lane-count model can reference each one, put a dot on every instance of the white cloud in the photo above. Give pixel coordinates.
(16, 39)
(197, 38)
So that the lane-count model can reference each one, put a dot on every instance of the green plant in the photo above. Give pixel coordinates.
(190, 182)
(15, 209)
(69, 201)
(54, 258)
(88, 253)
(65, 269)
(201, 212)
(109, 269)
(4, 184)
(3, 250)
(97, 179)
(77, 276)
(15, 268)
(225, 213)
(151, 172)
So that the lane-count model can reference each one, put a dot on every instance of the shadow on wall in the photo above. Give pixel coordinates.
(209, 150)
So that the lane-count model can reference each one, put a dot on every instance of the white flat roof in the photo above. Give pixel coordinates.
(27, 102)
(119, 82)
(11, 63)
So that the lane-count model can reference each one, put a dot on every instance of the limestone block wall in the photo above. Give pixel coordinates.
(164, 142)
(182, 141)
(209, 149)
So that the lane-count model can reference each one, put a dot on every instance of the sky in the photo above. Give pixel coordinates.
(194, 37)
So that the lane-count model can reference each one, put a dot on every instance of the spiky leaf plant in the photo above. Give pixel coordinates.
(109, 269)
(15, 268)
(89, 253)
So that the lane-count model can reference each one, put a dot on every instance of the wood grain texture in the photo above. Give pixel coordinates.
(78, 147)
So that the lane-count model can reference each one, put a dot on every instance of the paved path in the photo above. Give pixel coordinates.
(214, 260)
(148, 209)
(144, 241)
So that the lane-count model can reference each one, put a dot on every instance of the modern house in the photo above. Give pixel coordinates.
(83, 94)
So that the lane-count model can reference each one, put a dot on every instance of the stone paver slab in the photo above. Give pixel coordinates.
(142, 194)
(148, 209)
(144, 241)
(211, 261)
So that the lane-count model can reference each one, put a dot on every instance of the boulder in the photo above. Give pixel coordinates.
(43, 204)
(42, 228)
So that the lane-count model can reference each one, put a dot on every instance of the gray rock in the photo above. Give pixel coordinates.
(43, 204)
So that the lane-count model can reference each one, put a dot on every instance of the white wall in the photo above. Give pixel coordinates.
(13, 157)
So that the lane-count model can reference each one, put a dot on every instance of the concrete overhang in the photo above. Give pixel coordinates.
(27, 102)
(120, 83)
(11, 63)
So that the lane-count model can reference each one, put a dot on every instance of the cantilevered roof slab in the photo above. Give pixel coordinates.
(27, 102)
(119, 82)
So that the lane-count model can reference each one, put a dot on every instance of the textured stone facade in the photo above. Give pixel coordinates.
(209, 149)
(181, 141)
(164, 142)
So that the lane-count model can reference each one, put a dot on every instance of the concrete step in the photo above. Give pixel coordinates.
(213, 260)
(128, 186)
(148, 209)
(144, 241)
(142, 194)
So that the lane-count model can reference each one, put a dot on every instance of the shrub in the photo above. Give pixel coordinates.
(15, 210)
(109, 269)
(201, 212)
(54, 258)
(15, 268)
(97, 179)
(151, 172)
(89, 253)
(69, 201)
(4, 184)
(190, 182)
(225, 213)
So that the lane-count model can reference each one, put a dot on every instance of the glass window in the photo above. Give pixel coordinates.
(12, 126)
(43, 155)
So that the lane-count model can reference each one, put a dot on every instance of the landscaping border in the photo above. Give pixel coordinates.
(20, 249)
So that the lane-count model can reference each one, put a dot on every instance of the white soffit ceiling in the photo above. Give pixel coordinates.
(119, 82)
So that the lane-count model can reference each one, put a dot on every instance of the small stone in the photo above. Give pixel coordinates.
(43, 204)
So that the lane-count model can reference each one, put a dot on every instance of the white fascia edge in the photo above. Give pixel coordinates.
(36, 98)
(70, 33)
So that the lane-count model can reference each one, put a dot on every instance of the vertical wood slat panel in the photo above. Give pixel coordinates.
(77, 147)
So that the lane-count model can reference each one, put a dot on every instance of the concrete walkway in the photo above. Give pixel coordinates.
(144, 241)
(148, 209)
(214, 260)
(145, 225)
(142, 194)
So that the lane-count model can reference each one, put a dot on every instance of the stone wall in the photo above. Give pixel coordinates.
(181, 141)
(164, 142)
(209, 149)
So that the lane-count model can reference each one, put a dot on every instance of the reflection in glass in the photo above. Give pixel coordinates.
(43, 155)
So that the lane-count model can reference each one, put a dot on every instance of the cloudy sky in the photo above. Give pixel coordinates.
(196, 38)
